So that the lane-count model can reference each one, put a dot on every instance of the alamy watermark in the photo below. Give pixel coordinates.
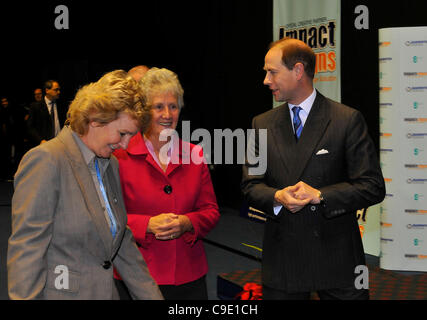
(62, 280)
(219, 149)
(362, 280)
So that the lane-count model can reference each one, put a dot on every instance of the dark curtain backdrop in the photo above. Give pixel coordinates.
(216, 47)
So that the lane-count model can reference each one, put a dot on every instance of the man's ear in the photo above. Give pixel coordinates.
(299, 70)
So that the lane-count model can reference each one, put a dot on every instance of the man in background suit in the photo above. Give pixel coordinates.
(138, 71)
(38, 94)
(47, 116)
(321, 167)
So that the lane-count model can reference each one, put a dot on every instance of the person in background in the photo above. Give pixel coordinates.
(138, 72)
(169, 198)
(322, 167)
(47, 116)
(6, 138)
(68, 216)
(38, 94)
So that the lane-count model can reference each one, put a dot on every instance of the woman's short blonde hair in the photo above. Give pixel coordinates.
(102, 101)
(159, 81)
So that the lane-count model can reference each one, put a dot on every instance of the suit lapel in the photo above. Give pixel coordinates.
(46, 115)
(180, 155)
(137, 146)
(314, 128)
(284, 140)
(87, 187)
(295, 155)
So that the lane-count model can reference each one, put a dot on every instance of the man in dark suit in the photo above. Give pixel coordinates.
(321, 167)
(47, 117)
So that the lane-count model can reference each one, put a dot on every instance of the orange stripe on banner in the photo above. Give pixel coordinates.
(385, 134)
(422, 120)
(422, 256)
(388, 180)
(385, 88)
(362, 230)
(422, 211)
(384, 224)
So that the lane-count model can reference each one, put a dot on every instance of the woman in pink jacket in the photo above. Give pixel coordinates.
(170, 201)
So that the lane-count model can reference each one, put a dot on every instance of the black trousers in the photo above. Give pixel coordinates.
(350, 293)
(195, 290)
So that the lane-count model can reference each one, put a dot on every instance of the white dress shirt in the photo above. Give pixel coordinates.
(55, 113)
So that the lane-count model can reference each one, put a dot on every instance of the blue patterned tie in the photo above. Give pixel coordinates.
(113, 225)
(297, 122)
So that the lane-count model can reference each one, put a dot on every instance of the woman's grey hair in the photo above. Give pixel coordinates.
(159, 81)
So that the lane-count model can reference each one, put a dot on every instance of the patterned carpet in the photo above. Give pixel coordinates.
(383, 284)
(391, 285)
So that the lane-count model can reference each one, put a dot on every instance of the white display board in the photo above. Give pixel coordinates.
(403, 147)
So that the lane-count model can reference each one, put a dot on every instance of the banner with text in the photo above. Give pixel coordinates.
(403, 147)
(317, 23)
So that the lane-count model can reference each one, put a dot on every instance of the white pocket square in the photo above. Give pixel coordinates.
(323, 151)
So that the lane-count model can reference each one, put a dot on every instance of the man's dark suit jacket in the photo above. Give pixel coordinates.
(40, 123)
(319, 247)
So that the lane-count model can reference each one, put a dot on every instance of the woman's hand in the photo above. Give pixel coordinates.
(168, 226)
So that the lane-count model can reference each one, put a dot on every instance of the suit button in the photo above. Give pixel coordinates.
(115, 200)
(167, 189)
(106, 265)
(313, 208)
(316, 233)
